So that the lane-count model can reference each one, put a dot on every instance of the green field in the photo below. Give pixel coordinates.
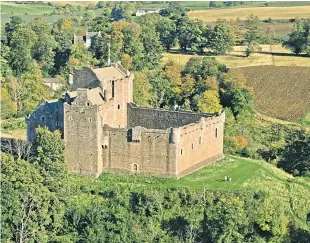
(201, 5)
(247, 175)
(11, 8)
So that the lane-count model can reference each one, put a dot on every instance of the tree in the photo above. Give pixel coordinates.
(100, 23)
(63, 32)
(29, 90)
(208, 102)
(10, 27)
(48, 150)
(201, 68)
(6, 70)
(30, 212)
(43, 49)
(8, 108)
(152, 48)
(299, 38)
(221, 38)
(296, 156)
(167, 32)
(80, 57)
(22, 41)
(123, 10)
(142, 90)
(161, 88)
(174, 11)
(100, 49)
(252, 35)
(192, 34)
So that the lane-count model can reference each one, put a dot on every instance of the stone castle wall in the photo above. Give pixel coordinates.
(115, 108)
(159, 118)
(82, 139)
(47, 114)
(140, 150)
(199, 144)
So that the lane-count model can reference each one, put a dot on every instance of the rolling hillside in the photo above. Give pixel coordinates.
(281, 92)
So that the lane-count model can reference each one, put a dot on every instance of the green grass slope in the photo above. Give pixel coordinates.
(13, 8)
(246, 174)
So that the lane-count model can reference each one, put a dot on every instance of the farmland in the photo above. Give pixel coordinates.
(281, 92)
(270, 55)
(243, 13)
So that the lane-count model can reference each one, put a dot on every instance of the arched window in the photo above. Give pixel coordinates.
(43, 118)
(134, 167)
(216, 132)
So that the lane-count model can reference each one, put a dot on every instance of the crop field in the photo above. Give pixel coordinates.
(243, 13)
(270, 55)
(281, 92)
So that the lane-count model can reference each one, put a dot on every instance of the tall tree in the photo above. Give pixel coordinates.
(208, 102)
(44, 48)
(221, 38)
(252, 35)
(63, 32)
(22, 41)
(299, 38)
(142, 90)
(167, 32)
(11, 26)
(30, 212)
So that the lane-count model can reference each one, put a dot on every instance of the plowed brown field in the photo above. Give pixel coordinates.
(281, 92)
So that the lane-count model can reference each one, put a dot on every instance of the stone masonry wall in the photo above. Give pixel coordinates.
(115, 108)
(48, 115)
(82, 126)
(159, 118)
(200, 144)
(152, 154)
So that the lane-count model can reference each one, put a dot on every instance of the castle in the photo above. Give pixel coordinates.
(104, 131)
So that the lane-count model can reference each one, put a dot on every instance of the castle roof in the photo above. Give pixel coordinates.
(95, 95)
(114, 72)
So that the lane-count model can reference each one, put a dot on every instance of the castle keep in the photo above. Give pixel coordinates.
(104, 131)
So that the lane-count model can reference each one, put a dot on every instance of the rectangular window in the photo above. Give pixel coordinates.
(113, 89)
(199, 140)
(181, 151)
(192, 146)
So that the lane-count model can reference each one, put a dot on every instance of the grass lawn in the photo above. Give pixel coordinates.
(12, 8)
(274, 55)
(247, 174)
(243, 13)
